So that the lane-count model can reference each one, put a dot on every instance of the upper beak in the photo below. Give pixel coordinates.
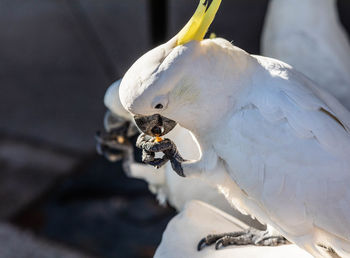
(154, 125)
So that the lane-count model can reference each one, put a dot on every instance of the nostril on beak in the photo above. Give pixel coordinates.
(158, 106)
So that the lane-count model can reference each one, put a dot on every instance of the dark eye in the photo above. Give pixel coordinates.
(158, 106)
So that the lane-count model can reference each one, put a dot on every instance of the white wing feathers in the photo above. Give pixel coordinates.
(310, 111)
(298, 156)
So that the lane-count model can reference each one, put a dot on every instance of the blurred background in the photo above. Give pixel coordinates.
(58, 198)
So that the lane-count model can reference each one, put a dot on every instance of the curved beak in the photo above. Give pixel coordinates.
(154, 125)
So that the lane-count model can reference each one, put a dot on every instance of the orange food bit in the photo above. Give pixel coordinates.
(158, 139)
(120, 139)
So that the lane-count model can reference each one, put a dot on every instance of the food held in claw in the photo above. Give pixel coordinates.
(158, 139)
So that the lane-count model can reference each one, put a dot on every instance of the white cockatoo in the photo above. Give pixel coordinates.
(308, 35)
(168, 187)
(276, 144)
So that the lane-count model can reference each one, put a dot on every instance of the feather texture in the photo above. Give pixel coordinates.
(292, 158)
(313, 42)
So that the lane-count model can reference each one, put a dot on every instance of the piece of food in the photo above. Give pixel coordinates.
(158, 139)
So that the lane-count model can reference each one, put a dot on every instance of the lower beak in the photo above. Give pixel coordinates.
(154, 125)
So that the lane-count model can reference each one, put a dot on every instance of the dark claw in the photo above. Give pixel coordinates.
(201, 244)
(208, 240)
(158, 163)
(177, 167)
(219, 244)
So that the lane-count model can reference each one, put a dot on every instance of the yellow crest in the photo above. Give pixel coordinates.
(198, 25)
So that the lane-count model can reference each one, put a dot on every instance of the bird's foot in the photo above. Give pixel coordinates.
(149, 147)
(248, 237)
(113, 145)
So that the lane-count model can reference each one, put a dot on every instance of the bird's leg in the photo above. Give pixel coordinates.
(248, 237)
(159, 162)
(113, 145)
(146, 143)
(149, 147)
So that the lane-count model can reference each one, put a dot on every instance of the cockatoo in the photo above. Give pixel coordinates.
(281, 143)
(114, 144)
(308, 35)
(168, 187)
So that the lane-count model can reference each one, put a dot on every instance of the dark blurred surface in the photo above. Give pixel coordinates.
(101, 211)
(57, 60)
